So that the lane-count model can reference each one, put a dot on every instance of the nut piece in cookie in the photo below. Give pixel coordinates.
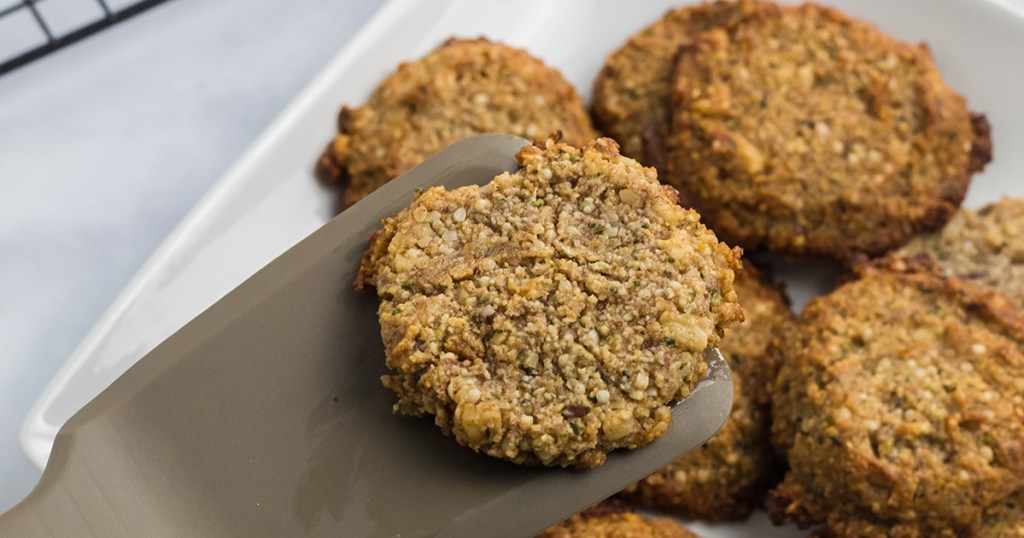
(805, 131)
(726, 477)
(631, 92)
(462, 88)
(984, 247)
(900, 407)
(552, 315)
(615, 520)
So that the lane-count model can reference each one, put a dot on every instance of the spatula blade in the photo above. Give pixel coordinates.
(265, 416)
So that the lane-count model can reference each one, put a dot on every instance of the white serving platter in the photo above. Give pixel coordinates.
(268, 200)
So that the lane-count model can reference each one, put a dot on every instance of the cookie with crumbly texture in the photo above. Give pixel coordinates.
(802, 130)
(726, 477)
(613, 520)
(984, 247)
(552, 315)
(463, 88)
(900, 407)
(1006, 520)
(631, 91)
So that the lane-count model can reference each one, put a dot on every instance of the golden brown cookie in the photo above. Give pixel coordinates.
(615, 521)
(984, 247)
(462, 88)
(552, 315)
(900, 407)
(805, 131)
(631, 92)
(726, 477)
(1006, 520)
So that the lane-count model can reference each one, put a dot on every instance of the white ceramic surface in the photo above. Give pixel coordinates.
(269, 200)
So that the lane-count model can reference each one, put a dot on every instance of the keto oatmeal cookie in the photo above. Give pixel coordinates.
(726, 477)
(631, 92)
(900, 407)
(984, 247)
(804, 131)
(1007, 521)
(463, 88)
(612, 520)
(552, 315)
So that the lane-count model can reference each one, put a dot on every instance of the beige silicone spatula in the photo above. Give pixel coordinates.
(265, 416)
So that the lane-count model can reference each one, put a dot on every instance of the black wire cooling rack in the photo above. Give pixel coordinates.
(30, 29)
